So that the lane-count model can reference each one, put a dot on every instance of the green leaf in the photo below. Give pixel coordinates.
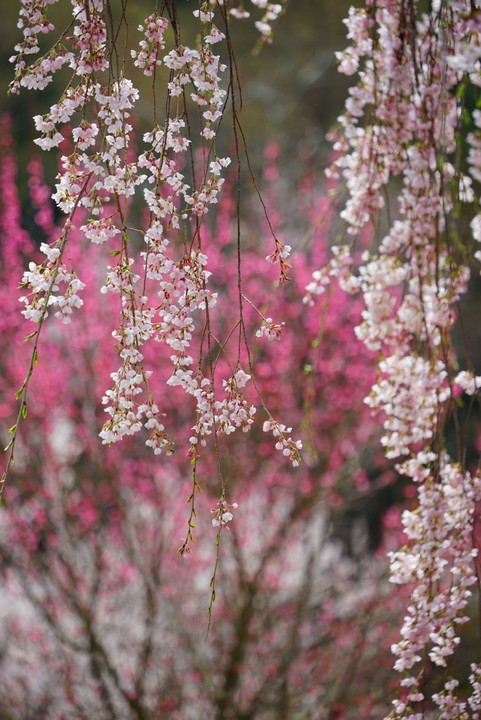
(24, 410)
(29, 337)
(12, 429)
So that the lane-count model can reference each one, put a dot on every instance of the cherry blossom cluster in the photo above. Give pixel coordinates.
(217, 416)
(409, 385)
(290, 448)
(403, 119)
(270, 330)
(223, 513)
(475, 680)
(45, 282)
(234, 411)
(265, 25)
(440, 531)
(126, 415)
(280, 255)
(33, 22)
(340, 267)
(147, 57)
(181, 291)
(467, 382)
(89, 38)
(272, 12)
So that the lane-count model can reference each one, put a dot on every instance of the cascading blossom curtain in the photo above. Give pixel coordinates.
(178, 175)
(407, 151)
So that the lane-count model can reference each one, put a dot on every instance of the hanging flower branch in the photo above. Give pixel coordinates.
(408, 118)
(164, 292)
